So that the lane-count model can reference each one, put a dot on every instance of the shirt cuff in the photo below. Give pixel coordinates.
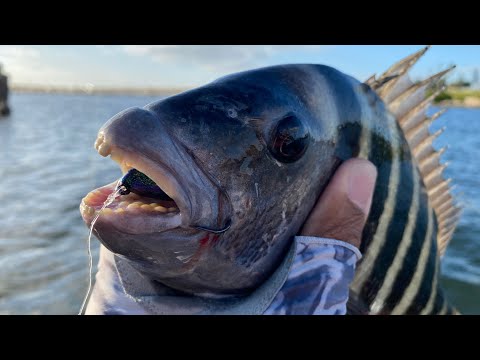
(327, 241)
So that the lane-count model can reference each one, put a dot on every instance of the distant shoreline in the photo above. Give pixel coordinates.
(23, 89)
(457, 104)
(457, 99)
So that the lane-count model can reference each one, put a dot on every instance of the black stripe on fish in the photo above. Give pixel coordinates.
(438, 304)
(410, 262)
(393, 238)
(348, 140)
(442, 305)
(381, 156)
(451, 310)
(423, 293)
(349, 110)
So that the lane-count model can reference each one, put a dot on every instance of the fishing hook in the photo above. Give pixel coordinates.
(225, 228)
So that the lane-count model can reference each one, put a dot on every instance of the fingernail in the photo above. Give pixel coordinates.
(362, 177)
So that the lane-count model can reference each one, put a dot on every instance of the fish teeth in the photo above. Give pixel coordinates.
(125, 206)
(107, 211)
(88, 197)
(86, 209)
(132, 197)
(104, 149)
(99, 140)
(102, 146)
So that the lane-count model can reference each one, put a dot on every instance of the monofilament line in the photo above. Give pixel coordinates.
(107, 202)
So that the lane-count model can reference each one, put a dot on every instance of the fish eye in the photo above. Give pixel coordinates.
(289, 139)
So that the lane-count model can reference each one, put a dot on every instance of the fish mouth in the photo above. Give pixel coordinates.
(140, 214)
(133, 213)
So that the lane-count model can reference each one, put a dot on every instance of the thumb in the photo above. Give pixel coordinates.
(342, 209)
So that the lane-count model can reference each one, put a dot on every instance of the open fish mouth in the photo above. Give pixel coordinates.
(183, 194)
(134, 213)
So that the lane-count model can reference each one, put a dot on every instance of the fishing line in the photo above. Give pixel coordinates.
(107, 202)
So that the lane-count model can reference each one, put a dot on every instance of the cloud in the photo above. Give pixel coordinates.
(21, 62)
(138, 65)
(29, 65)
(18, 60)
(15, 52)
(214, 57)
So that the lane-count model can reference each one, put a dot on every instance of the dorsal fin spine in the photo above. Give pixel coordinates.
(440, 187)
(408, 103)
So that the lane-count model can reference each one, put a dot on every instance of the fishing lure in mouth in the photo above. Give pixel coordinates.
(138, 183)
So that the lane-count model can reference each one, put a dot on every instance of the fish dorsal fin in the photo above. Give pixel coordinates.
(408, 103)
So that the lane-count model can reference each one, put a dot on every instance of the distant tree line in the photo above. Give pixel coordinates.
(460, 83)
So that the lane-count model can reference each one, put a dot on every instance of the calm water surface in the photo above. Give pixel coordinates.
(48, 164)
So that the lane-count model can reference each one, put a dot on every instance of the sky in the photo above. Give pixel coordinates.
(193, 65)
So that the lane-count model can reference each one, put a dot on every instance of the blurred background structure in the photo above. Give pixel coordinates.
(4, 109)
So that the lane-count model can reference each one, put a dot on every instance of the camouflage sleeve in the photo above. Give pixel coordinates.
(319, 279)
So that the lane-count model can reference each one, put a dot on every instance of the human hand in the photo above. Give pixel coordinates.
(343, 208)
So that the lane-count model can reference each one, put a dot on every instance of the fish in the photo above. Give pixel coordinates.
(233, 168)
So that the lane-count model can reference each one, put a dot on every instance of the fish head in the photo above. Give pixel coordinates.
(246, 153)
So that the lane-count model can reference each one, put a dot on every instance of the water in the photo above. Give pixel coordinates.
(48, 163)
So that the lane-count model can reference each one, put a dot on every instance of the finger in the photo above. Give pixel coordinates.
(343, 208)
